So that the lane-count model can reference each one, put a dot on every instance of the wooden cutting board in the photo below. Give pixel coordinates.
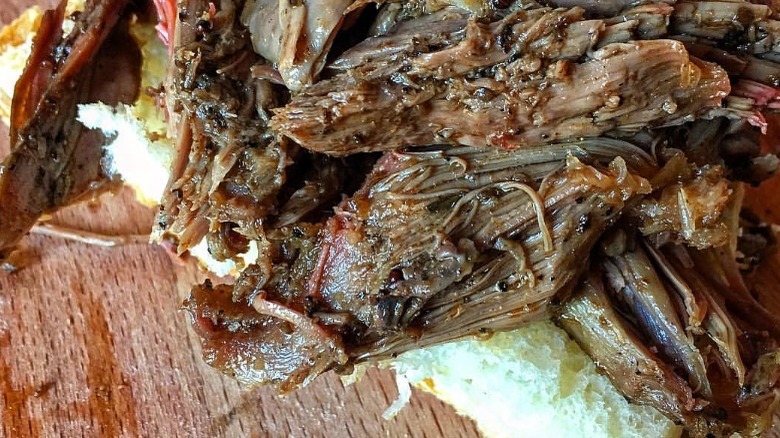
(92, 344)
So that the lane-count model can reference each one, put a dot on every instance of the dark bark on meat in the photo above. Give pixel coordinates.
(229, 168)
(509, 84)
(437, 245)
(54, 159)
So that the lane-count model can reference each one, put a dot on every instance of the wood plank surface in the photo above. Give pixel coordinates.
(92, 344)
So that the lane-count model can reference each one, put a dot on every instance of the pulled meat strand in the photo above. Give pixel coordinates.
(228, 168)
(607, 317)
(477, 261)
(632, 282)
(88, 237)
(295, 36)
(602, 94)
(590, 319)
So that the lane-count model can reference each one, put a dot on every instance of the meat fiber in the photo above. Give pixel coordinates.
(591, 320)
(604, 8)
(633, 284)
(510, 84)
(578, 163)
(615, 323)
(428, 170)
(295, 36)
(438, 244)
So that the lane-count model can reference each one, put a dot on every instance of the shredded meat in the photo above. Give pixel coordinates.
(583, 163)
(437, 245)
(604, 8)
(415, 172)
(638, 296)
(591, 320)
(295, 36)
(229, 168)
(511, 84)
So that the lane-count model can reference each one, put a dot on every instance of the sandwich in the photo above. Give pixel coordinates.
(531, 210)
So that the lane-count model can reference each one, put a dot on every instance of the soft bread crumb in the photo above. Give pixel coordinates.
(530, 382)
(142, 163)
(140, 154)
(404, 395)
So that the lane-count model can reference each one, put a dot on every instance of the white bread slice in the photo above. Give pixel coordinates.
(531, 382)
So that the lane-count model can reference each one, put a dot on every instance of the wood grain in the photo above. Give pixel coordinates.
(92, 344)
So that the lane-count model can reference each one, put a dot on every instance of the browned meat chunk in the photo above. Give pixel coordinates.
(229, 168)
(437, 245)
(54, 159)
(295, 36)
(664, 327)
(509, 84)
